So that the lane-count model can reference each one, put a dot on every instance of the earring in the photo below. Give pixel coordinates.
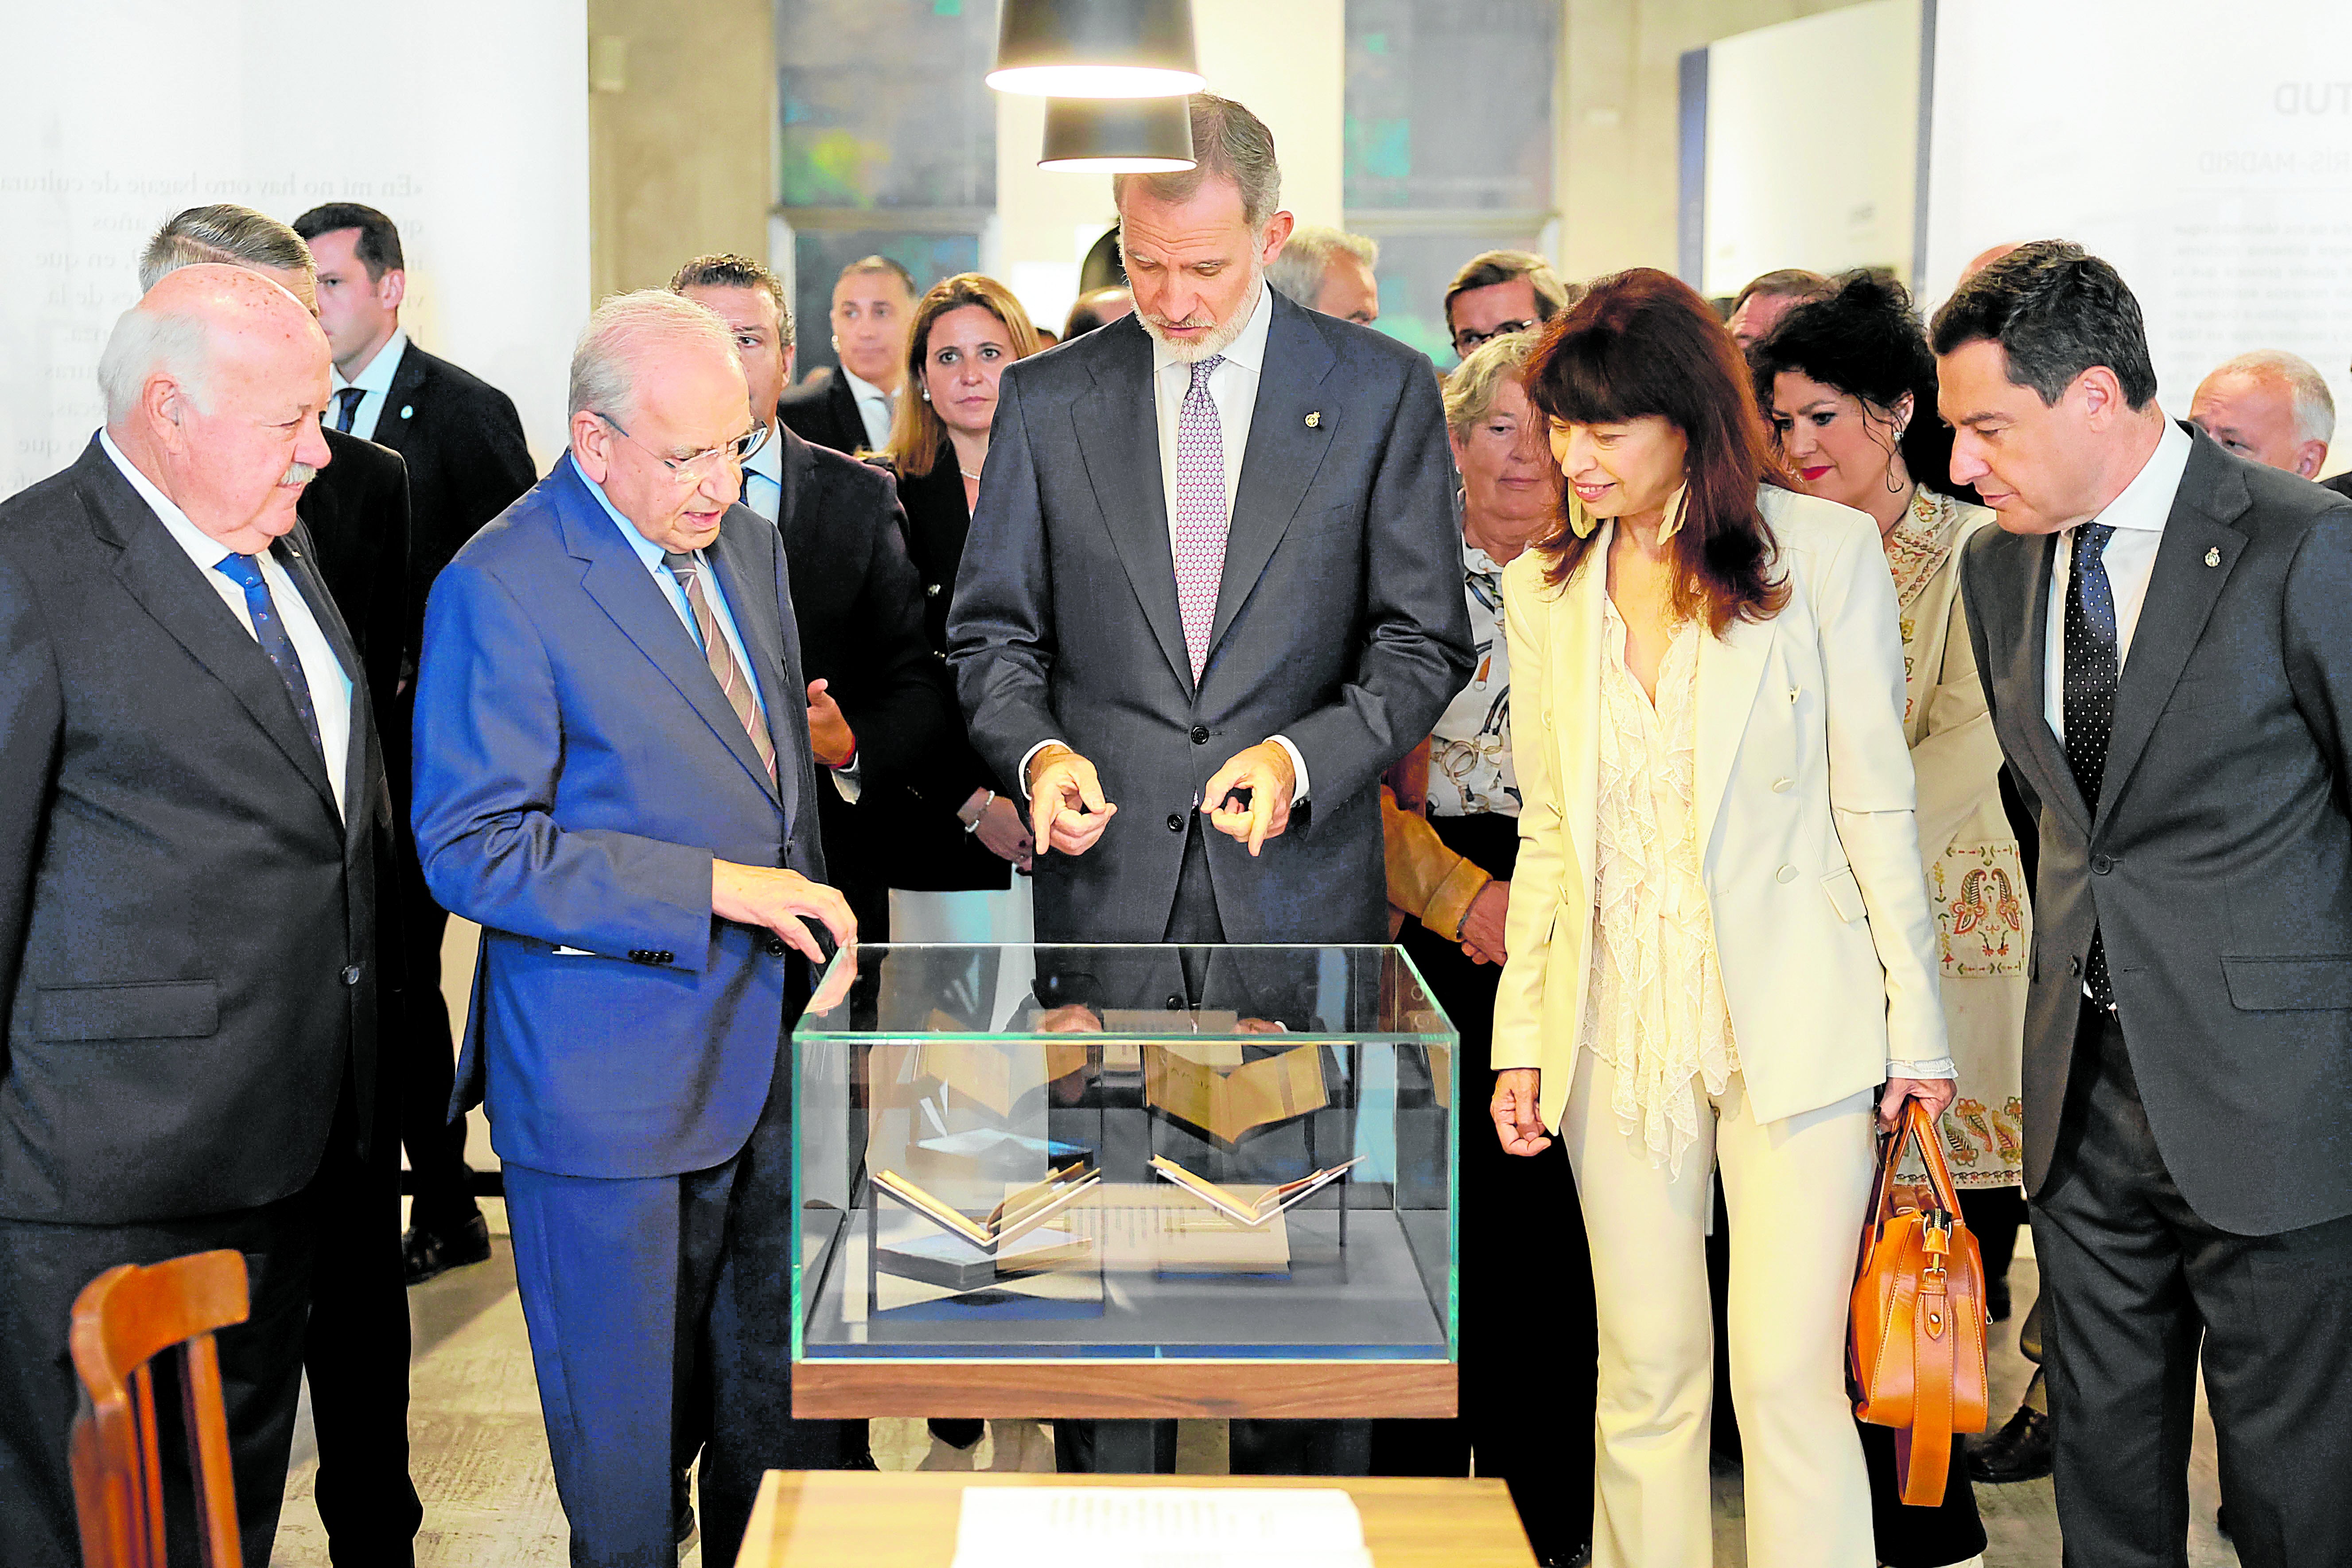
(927, 395)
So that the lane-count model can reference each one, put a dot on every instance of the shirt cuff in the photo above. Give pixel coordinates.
(1297, 765)
(1940, 1067)
(1030, 756)
(847, 779)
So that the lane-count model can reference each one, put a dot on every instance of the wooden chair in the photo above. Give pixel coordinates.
(122, 1321)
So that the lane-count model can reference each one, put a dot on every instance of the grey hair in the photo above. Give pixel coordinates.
(1297, 273)
(225, 233)
(1471, 389)
(146, 344)
(2314, 405)
(603, 362)
(1227, 140)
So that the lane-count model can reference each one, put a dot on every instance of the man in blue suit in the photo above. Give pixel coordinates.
(613, 778)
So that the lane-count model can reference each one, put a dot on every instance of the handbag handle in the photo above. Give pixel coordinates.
(1916, 1127)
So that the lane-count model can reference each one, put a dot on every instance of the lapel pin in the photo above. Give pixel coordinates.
(406, 411)
(2213, 556)
(1315, 420)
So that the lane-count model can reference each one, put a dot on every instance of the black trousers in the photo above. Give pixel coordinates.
(43, 1268)
(1259, 1448)
(1510, 1297)
(425, 1057)
(355, 1351)
(2137, 1288)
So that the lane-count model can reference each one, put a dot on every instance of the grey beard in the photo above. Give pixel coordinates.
(1218, 340)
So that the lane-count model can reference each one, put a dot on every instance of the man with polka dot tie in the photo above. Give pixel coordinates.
(2165, 634)
(192, 803)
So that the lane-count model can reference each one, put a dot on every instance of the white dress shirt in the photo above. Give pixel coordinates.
(375, 381)
(1233, 387)
(2137, 516)
(331, 685)
(764, 475)
(872, 408)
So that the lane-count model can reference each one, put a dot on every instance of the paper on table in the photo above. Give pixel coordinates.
(1172, 1527)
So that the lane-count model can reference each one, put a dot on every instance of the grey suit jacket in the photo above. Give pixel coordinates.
(1340, 622)
(2218, 863)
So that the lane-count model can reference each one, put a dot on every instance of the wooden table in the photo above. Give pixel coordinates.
(853, 1519)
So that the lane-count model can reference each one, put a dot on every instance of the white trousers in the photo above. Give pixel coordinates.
(1796, 1190)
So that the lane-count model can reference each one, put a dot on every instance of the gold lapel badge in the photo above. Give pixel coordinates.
(2213, 556)
(1315, 420)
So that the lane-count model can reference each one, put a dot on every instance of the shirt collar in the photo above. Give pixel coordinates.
(1247, 351)
(647, 551)
(768, 462)
(202, 548)
(2146, 502)
(861, 388)
(377, 376)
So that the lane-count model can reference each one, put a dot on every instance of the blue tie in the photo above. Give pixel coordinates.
(2092, 666)
(245, 573)
(346, 404)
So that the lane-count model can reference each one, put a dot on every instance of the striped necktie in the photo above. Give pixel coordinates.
(734, 684)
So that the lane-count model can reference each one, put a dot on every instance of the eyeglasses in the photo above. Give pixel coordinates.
(697, 465)
(1465, 340)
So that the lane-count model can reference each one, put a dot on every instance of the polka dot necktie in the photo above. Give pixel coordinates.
(2088, 700)
(270, 631)
(1200, 512)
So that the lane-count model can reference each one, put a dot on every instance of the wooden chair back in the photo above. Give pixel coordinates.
(123, 1320)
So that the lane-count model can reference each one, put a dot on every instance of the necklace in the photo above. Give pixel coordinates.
(967, 473)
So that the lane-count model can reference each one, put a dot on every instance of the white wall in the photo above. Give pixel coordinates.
(467, 122)
(1284, 59)
(2210, 159)
(1811, 144)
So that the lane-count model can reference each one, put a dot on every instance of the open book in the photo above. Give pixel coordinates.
(1209, 1085)
(1250, 1211)
(1019, 1213)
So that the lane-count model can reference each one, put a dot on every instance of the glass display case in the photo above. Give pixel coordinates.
(1125, 1180)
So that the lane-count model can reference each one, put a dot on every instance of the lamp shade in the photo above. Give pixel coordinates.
(1096, 48)
(1118, 135)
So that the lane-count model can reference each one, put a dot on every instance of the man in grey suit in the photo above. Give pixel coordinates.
(2165, 633)
(1213, 589)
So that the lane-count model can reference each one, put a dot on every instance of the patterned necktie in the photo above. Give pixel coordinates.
(734, 684)
(2087, 702)
(270, 631)
(1200, 512)
(346, 404)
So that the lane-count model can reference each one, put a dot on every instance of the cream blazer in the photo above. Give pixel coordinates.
(1803, 788)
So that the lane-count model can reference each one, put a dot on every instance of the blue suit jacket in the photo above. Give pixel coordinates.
(576, 773)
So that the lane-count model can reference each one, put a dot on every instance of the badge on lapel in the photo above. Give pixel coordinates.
(1315, 420)
(2213, 556)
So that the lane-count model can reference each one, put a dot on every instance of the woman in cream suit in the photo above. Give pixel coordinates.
(1721, 952)
(1848, 386)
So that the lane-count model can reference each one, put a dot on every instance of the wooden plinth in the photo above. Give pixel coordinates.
(845, 1519)
(1116, 1389)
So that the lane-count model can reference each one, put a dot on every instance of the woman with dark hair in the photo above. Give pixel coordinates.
(1720, 950)
(1849, 387)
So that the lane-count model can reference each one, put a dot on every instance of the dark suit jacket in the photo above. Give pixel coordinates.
(825, 413)
(861, 631)
(2218, 864)
(357, 514)
(578, 770)
(466, 463)
(2341, 484)
(187, 941)
(1340, 623)
(925, 844)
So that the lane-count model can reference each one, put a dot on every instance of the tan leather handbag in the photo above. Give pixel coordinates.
(1915, 1358)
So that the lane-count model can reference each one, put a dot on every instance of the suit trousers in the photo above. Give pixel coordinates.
(43, 1267)
(2134, 1285)
(1796, 1189)
(1258, 1448)
(660, 1317)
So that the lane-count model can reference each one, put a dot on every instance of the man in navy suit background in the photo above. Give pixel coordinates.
(613, 779)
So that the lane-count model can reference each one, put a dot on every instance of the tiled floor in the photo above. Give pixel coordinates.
(480, 1455)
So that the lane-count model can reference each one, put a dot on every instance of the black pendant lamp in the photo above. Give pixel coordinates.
(1096, 48)
(1118, 135)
